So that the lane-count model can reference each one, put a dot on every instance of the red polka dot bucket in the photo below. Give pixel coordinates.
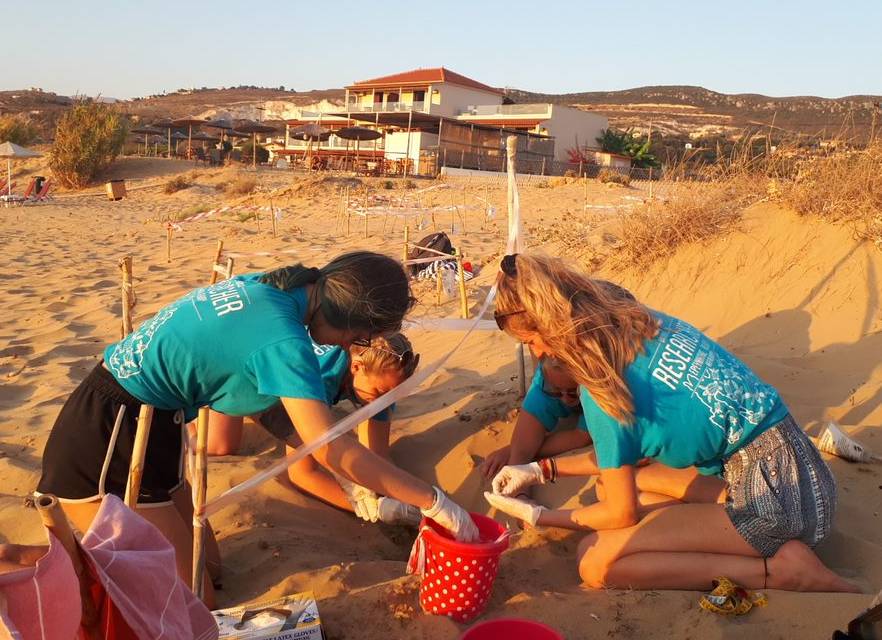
(457, 577)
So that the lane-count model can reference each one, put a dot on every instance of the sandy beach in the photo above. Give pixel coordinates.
(796, 298)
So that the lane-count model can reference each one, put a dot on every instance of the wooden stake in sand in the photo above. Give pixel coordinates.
(406, 243)
(139, 450)
(273, 217)
(55, 521)
(168, 238)
(438, 286)
(125, 266)
(463, 297)
(217, 256)
(200, 482)
(511, 146)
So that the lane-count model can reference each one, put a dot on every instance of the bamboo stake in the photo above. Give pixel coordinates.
(406, 243)
(511, 154)
(463, 297)
(168, 238)
(217, 256)
(126, 266)
(438, 287)
(200, 482)
(257, 217)
(273, 217)
(55, 521)
(366, 205)
(139, 450)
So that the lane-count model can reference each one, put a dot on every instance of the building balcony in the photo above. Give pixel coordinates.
(388, 107)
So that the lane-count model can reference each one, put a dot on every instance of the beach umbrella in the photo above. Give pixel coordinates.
(254, 128)
(177, 136)
(358, 134)
(147, 131)
(166, 125)
(11, 151)
(188, 122)
(309, 132)
(222, 124)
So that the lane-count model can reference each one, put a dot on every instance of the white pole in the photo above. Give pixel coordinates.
(8, 176)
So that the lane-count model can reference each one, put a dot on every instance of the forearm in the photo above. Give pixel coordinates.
(526, 440)
(583, 464)
(562, 442)
(348, 457)
(374, 434)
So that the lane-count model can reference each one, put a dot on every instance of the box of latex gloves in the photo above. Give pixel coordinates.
(293, 617)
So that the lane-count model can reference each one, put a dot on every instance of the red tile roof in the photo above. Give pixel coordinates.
(422, 77)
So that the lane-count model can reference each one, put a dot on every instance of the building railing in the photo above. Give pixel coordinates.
(381, 107)
(533, 109)
(336, 143)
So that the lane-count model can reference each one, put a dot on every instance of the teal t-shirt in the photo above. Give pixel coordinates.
(695, 404)
(334, 365)
(546, 409)
(236, 346)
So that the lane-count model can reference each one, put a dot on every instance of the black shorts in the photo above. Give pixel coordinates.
(78, 444)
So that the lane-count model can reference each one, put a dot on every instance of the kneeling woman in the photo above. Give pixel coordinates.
(239, 347)
(360, 375)
(655, 387)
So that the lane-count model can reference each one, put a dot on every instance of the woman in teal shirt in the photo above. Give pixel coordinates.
(655, 387)
(238, 347)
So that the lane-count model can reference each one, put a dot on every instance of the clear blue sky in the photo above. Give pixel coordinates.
(129, 48)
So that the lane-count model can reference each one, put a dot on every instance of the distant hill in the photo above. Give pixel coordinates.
(680, 111)
(686, 109)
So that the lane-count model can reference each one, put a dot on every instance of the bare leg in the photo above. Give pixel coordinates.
(224, 434)
(686, 546)
(165, 518)
(686, 485)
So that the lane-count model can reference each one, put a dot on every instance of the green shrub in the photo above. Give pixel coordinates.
(262, 152)
(17, 129)
(88, 139)
(410, 184)
(388, 184)
(177, 184)
(614, 177)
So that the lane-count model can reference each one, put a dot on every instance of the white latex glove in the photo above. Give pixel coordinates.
(452, 517)
(364, 502)
(394, 511)
(514, 478)
(520, 509)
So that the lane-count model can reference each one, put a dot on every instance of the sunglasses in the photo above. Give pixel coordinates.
(402, 357)
(361, 342)
(571, 393)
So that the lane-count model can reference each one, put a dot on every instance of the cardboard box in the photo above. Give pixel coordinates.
(293, 617)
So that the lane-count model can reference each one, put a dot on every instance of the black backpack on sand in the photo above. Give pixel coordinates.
(437, 241)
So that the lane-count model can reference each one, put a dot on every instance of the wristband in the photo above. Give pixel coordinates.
(549, 469)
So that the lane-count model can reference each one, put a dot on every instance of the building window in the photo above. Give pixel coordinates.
(419, 96)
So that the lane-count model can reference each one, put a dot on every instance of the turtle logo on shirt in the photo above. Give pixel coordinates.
(126, 358)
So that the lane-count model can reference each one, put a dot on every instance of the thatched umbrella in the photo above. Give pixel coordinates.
(309, 133)
(10, 150)
(204, 137)
(188, 122)
(254, 128)
(147, 131)
(358, 134)
(166, 125)
(177, 136)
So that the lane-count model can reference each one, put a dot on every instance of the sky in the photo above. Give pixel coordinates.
(132, 48)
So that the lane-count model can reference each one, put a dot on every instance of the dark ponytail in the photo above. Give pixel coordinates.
(361, 290)
(293, 277)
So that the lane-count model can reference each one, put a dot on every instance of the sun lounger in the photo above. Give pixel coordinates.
(43, 195)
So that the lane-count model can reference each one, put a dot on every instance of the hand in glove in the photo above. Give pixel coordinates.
(394, 511)
(364, 501)
(452, 517)
(520, 509)
(514, 478)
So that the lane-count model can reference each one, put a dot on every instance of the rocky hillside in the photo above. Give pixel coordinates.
(699, 111)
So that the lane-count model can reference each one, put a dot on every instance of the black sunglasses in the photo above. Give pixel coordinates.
(554, 392)
(361, 342)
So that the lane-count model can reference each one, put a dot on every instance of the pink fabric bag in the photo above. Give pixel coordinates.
(43, 602)
(136, 566)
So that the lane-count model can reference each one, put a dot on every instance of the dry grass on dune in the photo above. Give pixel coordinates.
(845, 187)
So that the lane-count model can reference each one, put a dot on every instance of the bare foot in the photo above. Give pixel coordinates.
(795, 567)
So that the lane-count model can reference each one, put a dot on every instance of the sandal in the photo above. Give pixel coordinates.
(728, 599)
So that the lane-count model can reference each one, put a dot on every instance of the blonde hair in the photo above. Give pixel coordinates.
(594, 327)
(387, 354)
